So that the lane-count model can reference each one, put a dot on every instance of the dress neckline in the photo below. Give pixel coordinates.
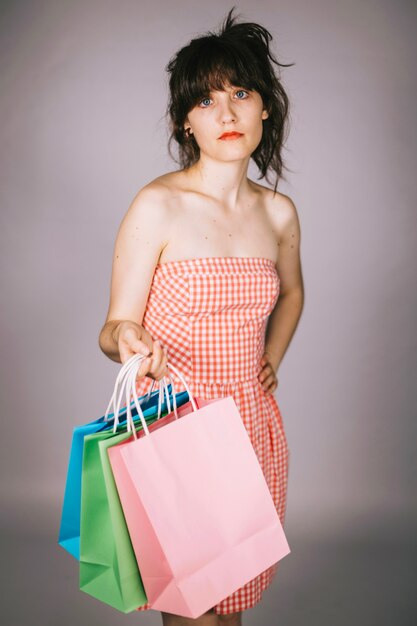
(234, 263)
(219, 259)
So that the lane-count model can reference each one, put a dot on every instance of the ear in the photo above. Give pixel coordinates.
(186, 125)
(265, 114)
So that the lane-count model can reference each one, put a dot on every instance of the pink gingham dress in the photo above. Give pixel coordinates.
(211, 315)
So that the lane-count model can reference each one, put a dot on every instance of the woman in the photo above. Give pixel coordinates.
(206, 269)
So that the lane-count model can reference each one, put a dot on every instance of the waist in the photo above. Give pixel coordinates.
(206, 360)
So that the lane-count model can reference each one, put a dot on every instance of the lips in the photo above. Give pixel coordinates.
(231, 135)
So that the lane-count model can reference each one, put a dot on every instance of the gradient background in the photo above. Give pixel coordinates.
(83, 95)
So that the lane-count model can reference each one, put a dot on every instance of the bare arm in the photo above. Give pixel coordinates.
(139, 243)
(284, 319)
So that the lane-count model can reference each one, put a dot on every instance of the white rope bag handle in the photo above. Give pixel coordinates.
(131, 382)
(120, 385)
(122, 372)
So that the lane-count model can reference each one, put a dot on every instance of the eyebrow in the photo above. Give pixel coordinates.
(229, 88)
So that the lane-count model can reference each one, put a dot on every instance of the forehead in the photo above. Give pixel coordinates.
(220, 77)
(212, 87)
(215, 73)
(227, 87)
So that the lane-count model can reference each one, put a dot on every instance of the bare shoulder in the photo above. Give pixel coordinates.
(282, 214)
(283, 217)
(155, 198)
(152, 209)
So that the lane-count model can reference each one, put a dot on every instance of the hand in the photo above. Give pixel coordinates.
(156, 363)
(133, 339)
(267, 375)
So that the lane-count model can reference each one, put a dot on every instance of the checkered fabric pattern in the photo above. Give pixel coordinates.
(211, 315)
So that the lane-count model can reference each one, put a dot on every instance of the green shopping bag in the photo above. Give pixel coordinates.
(108, 567)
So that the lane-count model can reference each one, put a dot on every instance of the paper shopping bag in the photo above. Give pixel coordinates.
(199, 511)
(108, 567)
(69, 531)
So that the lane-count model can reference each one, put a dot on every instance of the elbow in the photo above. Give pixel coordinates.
(295, 294)
(295, 299)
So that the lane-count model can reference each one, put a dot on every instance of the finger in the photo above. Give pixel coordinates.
(139, 347)
(157, 359)
(268, 381)
(125, 353)
(144, 368)
(272, 387)
(266, 371)
(165, 371)
(135, 342)
(161, 370)
(131, 344)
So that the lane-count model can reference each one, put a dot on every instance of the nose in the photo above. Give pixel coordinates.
(227, 113)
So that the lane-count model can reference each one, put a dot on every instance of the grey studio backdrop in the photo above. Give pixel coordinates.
(83, 95)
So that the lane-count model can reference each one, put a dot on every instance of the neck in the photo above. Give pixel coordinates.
(226, 182)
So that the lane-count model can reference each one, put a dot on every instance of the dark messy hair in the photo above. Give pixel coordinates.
(239, 55)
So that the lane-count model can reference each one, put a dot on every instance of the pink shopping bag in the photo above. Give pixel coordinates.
(199, 512)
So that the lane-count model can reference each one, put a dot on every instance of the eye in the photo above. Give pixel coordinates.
(203, 100)
(244, 92)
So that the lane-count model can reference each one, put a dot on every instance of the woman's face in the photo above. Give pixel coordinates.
(233, 110)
